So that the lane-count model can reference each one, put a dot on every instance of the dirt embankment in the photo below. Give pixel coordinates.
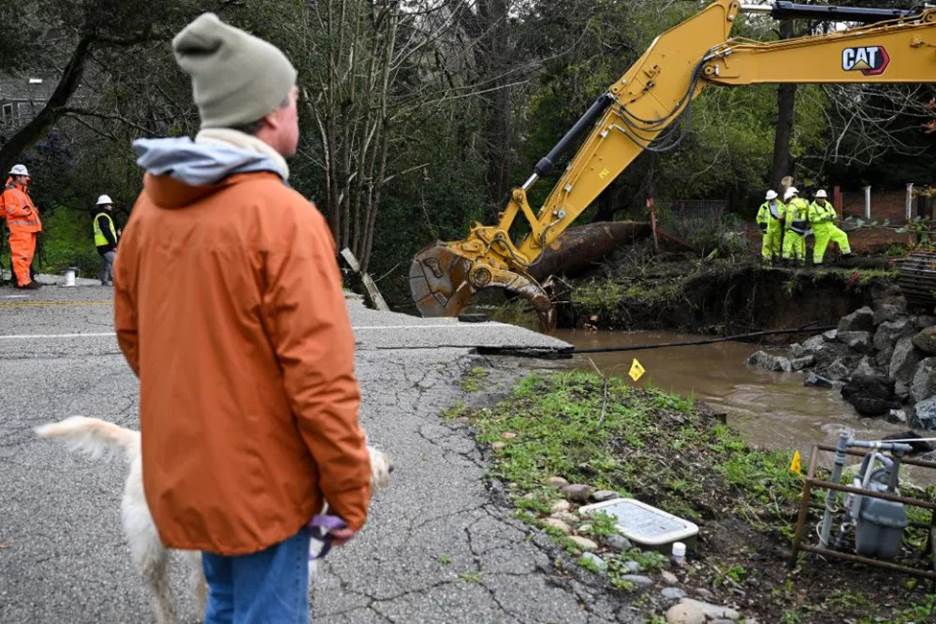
(640, 290)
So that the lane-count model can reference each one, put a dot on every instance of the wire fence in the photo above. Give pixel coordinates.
(690, 218)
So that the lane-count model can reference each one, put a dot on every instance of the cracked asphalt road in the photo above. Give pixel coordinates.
(438, 546)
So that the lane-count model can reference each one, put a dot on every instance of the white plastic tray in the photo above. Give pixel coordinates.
(643, 523)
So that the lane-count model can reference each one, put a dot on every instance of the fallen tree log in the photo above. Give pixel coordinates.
(582, 247)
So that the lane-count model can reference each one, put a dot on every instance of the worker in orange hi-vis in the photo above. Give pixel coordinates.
(23, 223)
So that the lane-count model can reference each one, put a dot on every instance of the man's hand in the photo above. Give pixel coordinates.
(340, 537)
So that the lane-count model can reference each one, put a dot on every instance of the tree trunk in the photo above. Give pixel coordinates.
(494, 58)
(786, 115)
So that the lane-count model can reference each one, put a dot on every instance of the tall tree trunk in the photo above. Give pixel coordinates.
(494, 57)
(786, 115)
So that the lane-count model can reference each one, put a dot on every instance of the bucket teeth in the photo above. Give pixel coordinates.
(442, 283)
(438, 280)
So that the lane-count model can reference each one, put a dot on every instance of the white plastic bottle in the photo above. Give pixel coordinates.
(679, 553)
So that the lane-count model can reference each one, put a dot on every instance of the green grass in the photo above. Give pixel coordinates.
(474, 380)
(919, 613)
(612, 435)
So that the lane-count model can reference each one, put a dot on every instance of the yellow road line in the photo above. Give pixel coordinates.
(46, 304)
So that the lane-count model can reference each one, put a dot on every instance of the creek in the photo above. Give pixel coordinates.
(770, 410)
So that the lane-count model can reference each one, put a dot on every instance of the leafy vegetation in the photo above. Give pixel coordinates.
(659, 448)
(413, 145)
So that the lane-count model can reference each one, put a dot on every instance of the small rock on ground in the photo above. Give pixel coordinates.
(566, 516)
(672, 593)
(603, 495)
(638, 579)
(632, 566)
(618, 543)
(577, 492)
(584, 543)
(557, 482)
(561, 505)
(690, 611)
(595, 560)
(669, 578)
(555, 523)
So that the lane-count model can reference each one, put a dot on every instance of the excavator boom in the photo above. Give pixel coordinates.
(639, 113)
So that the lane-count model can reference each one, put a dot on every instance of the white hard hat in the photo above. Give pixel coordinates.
(19, 170)
(771, 194)
(790, 192)
(821, 194)
(104, 199)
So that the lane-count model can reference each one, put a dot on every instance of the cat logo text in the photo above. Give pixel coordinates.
(869, 60)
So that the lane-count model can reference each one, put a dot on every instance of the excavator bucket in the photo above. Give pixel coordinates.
(439, 281)
(442, 283)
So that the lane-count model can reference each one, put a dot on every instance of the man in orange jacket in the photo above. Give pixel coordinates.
(229, 308)
(23, 223)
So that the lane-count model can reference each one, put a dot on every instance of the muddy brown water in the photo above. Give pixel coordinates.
(770, 410)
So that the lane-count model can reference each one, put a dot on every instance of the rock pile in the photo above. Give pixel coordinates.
(599, 551)
(881, 358)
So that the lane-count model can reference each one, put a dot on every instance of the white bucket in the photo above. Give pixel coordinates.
(70, 276)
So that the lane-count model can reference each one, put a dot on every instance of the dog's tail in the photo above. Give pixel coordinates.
(93, 436)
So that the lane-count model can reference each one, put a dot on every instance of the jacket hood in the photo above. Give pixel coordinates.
(181, 170)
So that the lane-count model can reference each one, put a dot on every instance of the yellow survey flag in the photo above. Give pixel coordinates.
(795, 467)
(636, 371)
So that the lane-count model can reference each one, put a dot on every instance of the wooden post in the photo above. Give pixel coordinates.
(653, 224)
(370, 285)
(909, 205)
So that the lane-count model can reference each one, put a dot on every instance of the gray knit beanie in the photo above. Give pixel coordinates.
(236, 77)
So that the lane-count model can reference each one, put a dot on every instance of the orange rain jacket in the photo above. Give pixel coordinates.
(230, 309)
(21, 214)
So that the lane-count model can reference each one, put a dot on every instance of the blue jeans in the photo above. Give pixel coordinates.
(270, 586)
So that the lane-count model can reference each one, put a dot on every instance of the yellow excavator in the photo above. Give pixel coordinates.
(641, 111)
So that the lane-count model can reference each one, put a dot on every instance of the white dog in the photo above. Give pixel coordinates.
(96, 438)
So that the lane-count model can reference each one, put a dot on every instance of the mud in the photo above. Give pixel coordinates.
(677, 292)
(770, 410)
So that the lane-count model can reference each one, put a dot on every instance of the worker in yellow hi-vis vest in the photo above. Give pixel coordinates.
(822, 219)
(796, 224)
(770, 220)
(105, 238)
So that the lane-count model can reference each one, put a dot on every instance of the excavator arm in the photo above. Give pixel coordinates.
(639, 112)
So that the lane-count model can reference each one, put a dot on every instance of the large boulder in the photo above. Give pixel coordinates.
(872, 395)
(813, 379)
(889, 332)
(904, 362)
(814, 345)
(859, 341)
(889, 310)
(799, 363)
(924, 320)
(923, 385)
(866, 368)
(901, 391)
(883, 358)
(835, 371)
(925, 340)
(923, 415)
(774, 363)
(861, 319)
